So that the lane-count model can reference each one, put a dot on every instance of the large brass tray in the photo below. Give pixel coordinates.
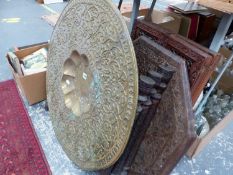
(92, 83)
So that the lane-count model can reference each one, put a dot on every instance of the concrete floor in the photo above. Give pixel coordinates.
(215, 159)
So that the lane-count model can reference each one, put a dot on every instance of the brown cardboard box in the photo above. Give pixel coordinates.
(226, 54)
(200, 143)
(49, 1)
(225, 83)
(127, 7)
(166, 20)
(142, 12)
(161, 18)
(126, 15)
(40, 1)
(33, 86)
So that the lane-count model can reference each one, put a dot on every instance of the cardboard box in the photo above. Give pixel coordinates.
(142, 12)
(225, 83)
(199, 143)
(161, 18)
(33, 86)
(126, 15)
(166, 20)
(127, 7)
(49, 1)
(226, 54)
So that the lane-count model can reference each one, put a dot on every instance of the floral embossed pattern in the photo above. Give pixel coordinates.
(20, 151)
(92, 83)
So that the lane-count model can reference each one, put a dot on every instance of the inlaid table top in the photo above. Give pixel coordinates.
(92, 83)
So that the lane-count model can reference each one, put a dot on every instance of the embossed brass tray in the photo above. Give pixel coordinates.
(92, 83)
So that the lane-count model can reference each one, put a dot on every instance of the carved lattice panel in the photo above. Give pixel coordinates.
(200, 61)
(171, 129)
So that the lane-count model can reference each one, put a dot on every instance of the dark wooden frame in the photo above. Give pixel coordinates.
(200, 61)
(172, 123)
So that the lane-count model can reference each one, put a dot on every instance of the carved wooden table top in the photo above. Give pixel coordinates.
(92, 83)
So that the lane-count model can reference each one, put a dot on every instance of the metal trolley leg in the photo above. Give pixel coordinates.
(134, 15)
(221, 32)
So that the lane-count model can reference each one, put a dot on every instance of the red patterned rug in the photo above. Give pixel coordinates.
(20, 150)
